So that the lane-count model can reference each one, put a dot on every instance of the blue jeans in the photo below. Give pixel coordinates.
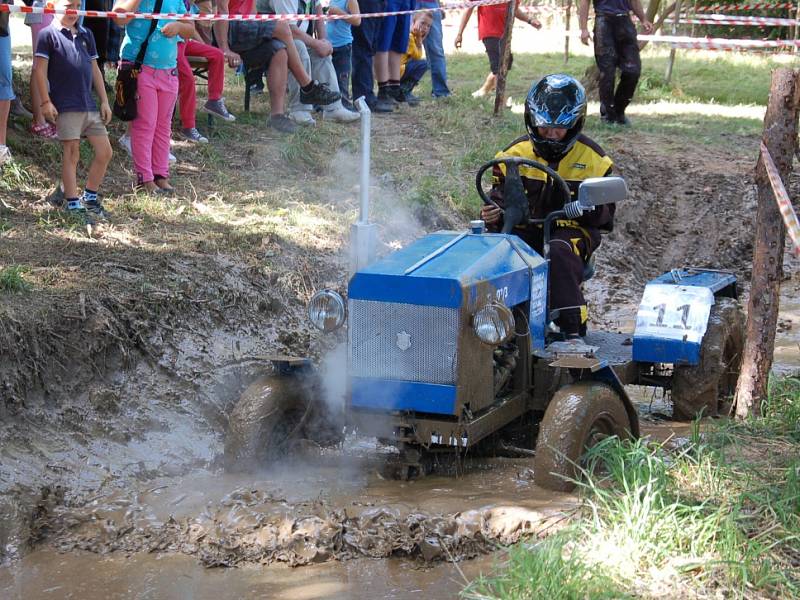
(365, 43)
(434, 51)
(415, 69)
(342, 63)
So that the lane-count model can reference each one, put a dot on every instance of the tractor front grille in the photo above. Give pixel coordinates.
(406, 342)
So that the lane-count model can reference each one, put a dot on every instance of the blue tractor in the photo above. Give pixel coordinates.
(451, 348)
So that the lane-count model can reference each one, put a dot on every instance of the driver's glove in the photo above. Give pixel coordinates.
(575, 209)
(514, 199)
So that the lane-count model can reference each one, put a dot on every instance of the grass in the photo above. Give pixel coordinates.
(720, 517)
(12, 279)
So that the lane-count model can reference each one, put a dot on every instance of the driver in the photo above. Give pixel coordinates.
(555, 110)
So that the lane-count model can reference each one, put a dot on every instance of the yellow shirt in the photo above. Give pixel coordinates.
(414, 52)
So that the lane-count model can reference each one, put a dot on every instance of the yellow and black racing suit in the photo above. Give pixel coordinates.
(572, 241)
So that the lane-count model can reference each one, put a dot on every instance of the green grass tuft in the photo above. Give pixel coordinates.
(12, 280)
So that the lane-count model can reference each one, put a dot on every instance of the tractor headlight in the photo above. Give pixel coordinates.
(326, 310)
(493, 324)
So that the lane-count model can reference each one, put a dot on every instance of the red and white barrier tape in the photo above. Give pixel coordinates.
(757, 6)
(735, 20)
(679, 41)
(782, 198)
(103, 14)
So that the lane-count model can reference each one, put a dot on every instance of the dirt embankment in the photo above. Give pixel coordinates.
(106, 389)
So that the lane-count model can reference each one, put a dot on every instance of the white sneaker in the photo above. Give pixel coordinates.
(302, 117)
(5, 154)
(341, 115)
(125, 142)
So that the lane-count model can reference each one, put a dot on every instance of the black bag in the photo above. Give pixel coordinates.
(127, 74)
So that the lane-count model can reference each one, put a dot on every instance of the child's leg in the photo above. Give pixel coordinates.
(143, 127)
(394, 66)
(167, 92)
(102, 156)
(187, 89)
(69, 167)
(216, 66)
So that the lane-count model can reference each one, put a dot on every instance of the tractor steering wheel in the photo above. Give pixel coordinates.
(515, 162)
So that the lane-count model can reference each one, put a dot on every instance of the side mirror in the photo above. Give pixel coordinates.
(597, 191)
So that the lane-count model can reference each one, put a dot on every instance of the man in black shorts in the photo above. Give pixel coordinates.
(615, 45)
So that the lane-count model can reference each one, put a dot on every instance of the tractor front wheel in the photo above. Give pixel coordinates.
(704, 388)
(578, 417)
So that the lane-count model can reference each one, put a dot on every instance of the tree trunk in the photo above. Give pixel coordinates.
(500, 94)
(780, 138)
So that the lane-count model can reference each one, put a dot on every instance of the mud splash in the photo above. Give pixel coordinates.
(305, 514)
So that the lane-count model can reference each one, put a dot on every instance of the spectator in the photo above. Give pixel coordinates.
(6, 91)
(412, 65)
(491, 26)
(365, 43)
(434, 50)
(157, 88)
(101, 30)
(65, 70)
(269, 44)
(392, 45)
(340, 35)
(187, 91)
(39, 125)
(315, 53)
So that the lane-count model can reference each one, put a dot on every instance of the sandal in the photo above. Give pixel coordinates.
(158, 180)
(46, 131)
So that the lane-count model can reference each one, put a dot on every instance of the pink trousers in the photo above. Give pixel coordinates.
(157, 90)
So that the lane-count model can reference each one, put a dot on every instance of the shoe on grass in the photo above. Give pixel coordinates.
(218, 109)
(302, 118)
(340, 115)
(5, 154)
(96, 209)
(77, 211)
(282, 123)
(56, 198)
(18, 109)
(318, 93)
(192, 135)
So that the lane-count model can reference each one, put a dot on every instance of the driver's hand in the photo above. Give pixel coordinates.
(490, 214)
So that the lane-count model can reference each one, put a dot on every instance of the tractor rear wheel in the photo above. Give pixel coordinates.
(704, 389)
(271, 417)
(578, 417)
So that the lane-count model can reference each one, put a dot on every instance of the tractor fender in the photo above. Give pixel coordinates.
(606, 374)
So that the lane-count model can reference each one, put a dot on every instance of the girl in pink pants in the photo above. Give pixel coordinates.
(157, 87)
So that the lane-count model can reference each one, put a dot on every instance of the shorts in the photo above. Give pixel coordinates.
(75, 125)
(494, 47)
(395, 29)
(6, 87)
(260, 56)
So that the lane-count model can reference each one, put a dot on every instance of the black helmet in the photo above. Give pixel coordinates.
(555, 101)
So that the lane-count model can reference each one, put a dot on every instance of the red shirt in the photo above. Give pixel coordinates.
(241, 7)
(491, 20)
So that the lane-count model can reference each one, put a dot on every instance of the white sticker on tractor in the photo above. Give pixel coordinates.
(678, 312)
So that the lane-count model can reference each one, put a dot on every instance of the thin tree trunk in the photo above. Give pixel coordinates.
(500, 93)
(567, 19)
(780, 138)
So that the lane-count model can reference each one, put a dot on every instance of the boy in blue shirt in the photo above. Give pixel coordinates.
(66, 59)
(341, 38)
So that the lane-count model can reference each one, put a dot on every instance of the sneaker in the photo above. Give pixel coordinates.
(191, 134)
(319, 93)
(125, 143)
(46, 131)
(5, 154)
(96, 209)
(18, 109)
(76, 210)
(282, 123)
(302, 117)
(380, 105)
(56, 197)
(218, 109)
(386, 96)
(341, 115)
(407, 96)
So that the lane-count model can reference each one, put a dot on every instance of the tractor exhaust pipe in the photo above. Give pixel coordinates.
(362, 232)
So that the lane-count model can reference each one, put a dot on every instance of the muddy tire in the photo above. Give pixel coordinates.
(578, 416)
(707, 388)
(271, 417)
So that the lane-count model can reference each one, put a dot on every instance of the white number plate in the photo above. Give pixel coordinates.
(674, 312)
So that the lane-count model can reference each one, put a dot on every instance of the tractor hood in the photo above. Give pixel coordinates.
(452, 269)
